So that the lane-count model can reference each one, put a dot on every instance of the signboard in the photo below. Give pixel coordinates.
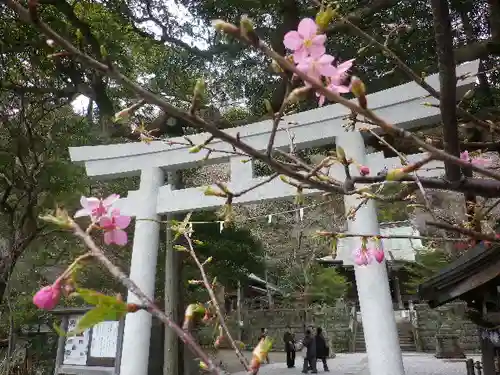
(96, 350)
(104, 340)
(76, 347)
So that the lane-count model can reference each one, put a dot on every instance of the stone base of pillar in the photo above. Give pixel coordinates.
(447, 346)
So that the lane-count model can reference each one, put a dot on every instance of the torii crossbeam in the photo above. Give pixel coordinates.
(401, 105)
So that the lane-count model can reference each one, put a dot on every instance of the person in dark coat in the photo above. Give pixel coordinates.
(289, 340)
(322, 349)
(310, 359)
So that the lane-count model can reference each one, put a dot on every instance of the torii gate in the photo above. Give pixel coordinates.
(401, 105)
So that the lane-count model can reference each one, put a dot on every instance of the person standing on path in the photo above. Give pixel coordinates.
(263, 335)
(289, 340)
(322, 349)
(309, 343)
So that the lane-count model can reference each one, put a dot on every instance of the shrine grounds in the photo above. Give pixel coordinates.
(351, 364)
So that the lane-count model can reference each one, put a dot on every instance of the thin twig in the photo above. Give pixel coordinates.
(276, 121)
(467, 232)
(415, 77)
(417, 179)
(145, 300)
(340, 235)
(263, 182)
(243, 360)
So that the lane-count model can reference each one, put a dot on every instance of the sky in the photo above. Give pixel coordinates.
(81, 102)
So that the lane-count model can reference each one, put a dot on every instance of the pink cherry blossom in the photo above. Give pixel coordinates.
(317, 67)
(364, 170)
(113, 228)
(377, 254)
(362, 257)
(48, 297)
(335, 81)
(476, 161)
(305, 41)
(334, 86)
(96, 207)
(465, 155)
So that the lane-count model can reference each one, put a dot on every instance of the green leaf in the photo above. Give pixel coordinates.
(91, 318)
(58, 329)
(98, 299)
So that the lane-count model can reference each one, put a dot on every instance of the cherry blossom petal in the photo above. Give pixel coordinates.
(317, 50)
(120, 237)
(82, 212)
(122, 221)
(345, 66)
(106, 222)
(318, 40)
(327, 70)
(305, 65)
(110, 200)
(300, 55)
(293, 40)
(325, 59)
(83, 201)
(360, 258)
(108, 237)
(307, 28)
(480, 162)
(342, 89)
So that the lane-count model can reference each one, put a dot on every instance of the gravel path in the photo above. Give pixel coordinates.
(357, 364)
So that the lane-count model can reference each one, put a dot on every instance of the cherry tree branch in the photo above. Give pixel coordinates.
(417, 78)
(199, 123)
(243, 360)
(98, 254)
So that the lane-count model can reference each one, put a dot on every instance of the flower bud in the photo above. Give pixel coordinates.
(133, 307)
(103, 51)
(224, 26)
(275, 67)
(341, 155)
(325, 16)
(361, 259)
(469, 94)
(180, 248)
(211, 192)
(247, 30)
(378, 254)
(357, 87)
(364, 170)
(79, 35)
(48, 297)
(195, 149)
(199, 88)
(51, 43)
(359, 90)
(395, 174)
(298, 94)
(269, 107)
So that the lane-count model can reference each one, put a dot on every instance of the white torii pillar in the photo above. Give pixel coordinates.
(377, 313)
(137, 333)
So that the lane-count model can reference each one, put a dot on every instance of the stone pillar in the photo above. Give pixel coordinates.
(137, 333)
(377, 313)
(397, 291)
(487, 356)
(172, 291)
